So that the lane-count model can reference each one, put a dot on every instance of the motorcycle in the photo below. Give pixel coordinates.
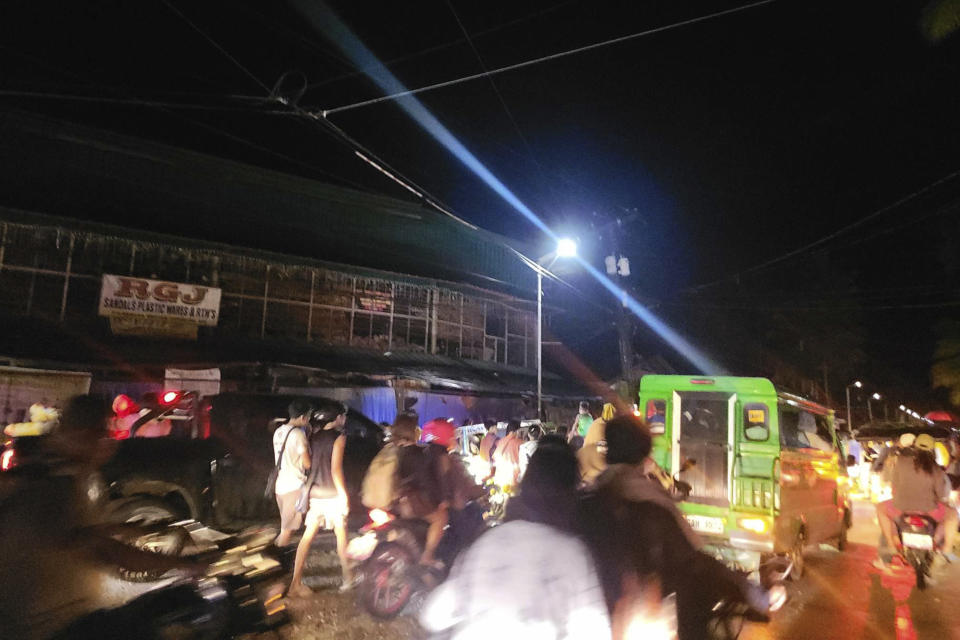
(240, 593)
(388, 572)
(917, 532)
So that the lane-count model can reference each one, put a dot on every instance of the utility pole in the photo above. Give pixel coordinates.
(619, 266)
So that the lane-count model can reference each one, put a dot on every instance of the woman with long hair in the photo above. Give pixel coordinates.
(919, 485)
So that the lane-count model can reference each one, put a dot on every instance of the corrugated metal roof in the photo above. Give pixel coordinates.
(70, 170)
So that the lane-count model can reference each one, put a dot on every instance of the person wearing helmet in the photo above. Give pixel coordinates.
(919, 485)
(457, 487)
(324, 494)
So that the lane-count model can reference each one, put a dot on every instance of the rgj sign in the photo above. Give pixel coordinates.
(122, 296)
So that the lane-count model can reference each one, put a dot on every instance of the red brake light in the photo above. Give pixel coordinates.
(7, 460)
(120, 434)
(123, 406)
(916, 521)
(701, 381)
(170, 397)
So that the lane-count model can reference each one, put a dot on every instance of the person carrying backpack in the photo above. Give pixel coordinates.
(407, 479)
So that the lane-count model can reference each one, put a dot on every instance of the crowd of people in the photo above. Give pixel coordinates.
(623, 543)
(590, 500)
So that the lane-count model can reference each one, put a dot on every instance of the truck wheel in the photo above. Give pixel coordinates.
(146, 511)
(168, 542)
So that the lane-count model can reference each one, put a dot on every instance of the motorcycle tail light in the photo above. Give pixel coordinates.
(379, 517)
(915, 521)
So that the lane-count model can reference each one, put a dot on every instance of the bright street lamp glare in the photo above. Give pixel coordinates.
(566, 248)
(902, 408)
(857, 384)
(876, 396)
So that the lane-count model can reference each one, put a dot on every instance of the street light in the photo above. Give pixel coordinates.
(857, 384)
(566, 248)
(875, 396)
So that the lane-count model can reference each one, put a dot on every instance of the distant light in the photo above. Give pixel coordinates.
(858, 384)
(566, 248)
(902, 408)
(876, 396)
(611, 264)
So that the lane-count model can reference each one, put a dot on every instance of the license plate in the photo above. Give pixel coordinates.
(705, 524)
(917, 541)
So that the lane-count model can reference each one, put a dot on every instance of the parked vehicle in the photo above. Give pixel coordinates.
(766, 471)
(214, 464)
(240, 594)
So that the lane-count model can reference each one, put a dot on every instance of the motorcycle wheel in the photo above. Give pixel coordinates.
(796, 556)
(921, 565)
(387, 587)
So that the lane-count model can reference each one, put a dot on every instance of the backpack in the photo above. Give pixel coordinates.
(419, 480)
(378, 490)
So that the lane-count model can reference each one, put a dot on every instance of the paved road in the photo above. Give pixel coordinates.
(840, 597)
(843, 597)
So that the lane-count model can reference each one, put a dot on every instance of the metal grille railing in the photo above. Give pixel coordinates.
(55, 273)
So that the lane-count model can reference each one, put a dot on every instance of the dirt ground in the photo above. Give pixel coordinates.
(329, 614)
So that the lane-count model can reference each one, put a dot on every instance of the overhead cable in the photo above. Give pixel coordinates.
(209, 39)
(134, 102)
(830, 236)
(547, 58)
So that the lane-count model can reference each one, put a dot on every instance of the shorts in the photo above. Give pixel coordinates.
(290, 519)
(327, 511)
(894, 514)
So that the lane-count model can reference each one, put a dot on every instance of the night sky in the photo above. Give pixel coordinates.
(719, 146)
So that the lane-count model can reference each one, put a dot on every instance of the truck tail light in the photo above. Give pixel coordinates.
(8, 460)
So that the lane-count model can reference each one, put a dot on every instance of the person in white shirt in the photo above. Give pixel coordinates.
(531, 577)
(528, 447)
(291, 454)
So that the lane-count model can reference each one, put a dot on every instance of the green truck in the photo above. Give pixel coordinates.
(766, 469)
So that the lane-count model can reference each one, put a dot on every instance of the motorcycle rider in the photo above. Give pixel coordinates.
(54, 535)
(460, 491)
(420, 491)
(919, 485)
(639, 536)
(324, 494)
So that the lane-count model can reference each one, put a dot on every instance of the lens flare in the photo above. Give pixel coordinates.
(324, 19)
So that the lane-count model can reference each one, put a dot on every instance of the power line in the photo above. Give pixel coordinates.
(444, 45)
(215, 44)
(496, 90)
(828, 237)
(133, 102)
(548, 58)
